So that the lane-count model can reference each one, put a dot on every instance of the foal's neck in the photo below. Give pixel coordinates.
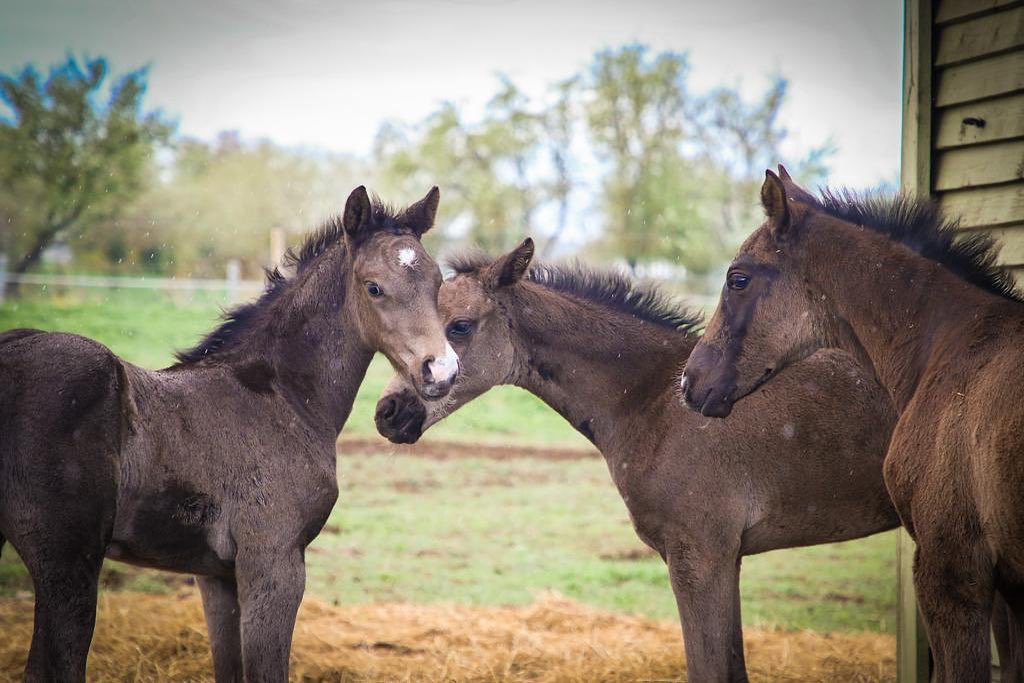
(313, 347)
(596, 366)
(899, 306)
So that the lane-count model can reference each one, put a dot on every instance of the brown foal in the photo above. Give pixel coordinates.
(799, 463)
(893, 282)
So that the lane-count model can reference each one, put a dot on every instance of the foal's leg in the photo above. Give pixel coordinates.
(954, 591)
(270, 588)
(738, 664)
(706, 587)
(223, 621)
(63, 554)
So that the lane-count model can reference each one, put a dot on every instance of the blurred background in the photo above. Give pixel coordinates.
(156, 157)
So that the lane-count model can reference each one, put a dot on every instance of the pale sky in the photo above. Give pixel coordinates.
(327, 74)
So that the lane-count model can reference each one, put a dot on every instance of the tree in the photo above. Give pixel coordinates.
(68, 158)
(558, 123)
(683, 168)
(637, 108)
(485, 168)
(743, 139)
(676, 173)
(219, 201)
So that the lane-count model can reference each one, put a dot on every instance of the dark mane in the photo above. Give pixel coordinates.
(385, 219)
(918, 223)
(235, 321)
(608, 288)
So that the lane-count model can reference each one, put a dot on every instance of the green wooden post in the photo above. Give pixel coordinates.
(915, 177)
(911, 640)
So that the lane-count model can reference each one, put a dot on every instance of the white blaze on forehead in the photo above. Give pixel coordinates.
(445, 368)
(407, 257)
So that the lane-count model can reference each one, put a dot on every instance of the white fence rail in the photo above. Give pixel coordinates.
(233, 286)
(118, 282)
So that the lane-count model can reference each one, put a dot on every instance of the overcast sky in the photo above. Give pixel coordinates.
(326, 74)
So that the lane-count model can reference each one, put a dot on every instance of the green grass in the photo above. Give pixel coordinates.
(481, 531)
(489, 532)
(501, 532)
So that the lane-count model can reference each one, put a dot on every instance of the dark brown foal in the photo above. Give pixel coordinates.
(222, 465)
(797, 465)
(891, 280)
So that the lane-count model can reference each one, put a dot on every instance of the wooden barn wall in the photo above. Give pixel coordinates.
(977, 119)
(963, 143)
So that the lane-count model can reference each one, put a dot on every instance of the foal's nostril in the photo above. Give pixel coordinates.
(387, 409)
(428, 375)
(436, 389)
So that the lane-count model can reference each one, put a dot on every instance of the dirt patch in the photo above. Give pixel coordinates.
(163, 638)
(845, 599)
(449, 450)
(629, 555)
(414, 485)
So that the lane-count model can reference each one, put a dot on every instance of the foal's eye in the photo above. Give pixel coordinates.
(737, 281)
(460, 328)
(374, 289)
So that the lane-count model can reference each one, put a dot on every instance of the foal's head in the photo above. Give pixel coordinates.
(393, 284)
(471, 306)
(781, 299)
(364, 273)
(740, 350)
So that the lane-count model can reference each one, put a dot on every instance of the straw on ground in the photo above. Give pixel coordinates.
(163, 638)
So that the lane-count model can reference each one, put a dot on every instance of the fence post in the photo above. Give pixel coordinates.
(3, 276)
(234, 275)
(276, 247)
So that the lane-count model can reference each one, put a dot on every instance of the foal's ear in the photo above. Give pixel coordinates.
(794, 191)
(357, 211)
(510, 268)
(775, 203)
(421, 215)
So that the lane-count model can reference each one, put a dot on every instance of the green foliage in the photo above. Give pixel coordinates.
(678, 171)
(666, 176)
(466, 162)
(221, 201)
(637, 116)
(69, 159)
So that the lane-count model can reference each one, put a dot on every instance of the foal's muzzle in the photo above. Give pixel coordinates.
(438, 374)
(706, 391)
(400, 417)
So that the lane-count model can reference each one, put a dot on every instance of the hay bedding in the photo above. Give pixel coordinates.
(163, 638)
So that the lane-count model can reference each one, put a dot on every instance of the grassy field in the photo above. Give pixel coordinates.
(479, 531)
(147, 327)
